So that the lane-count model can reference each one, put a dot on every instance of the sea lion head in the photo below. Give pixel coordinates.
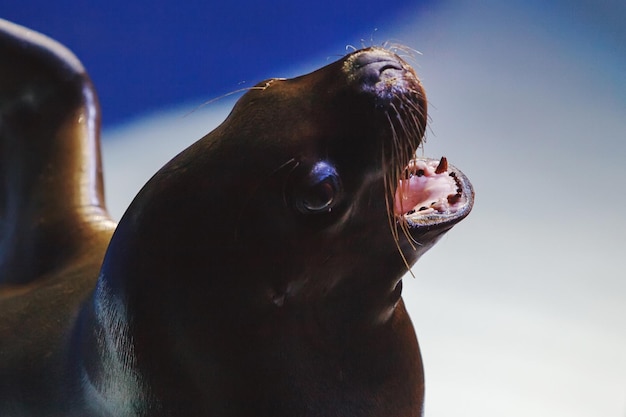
(310, 184)
(288, 227)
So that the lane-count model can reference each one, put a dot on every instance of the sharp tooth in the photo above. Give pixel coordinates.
(453, 199)
(443, 166)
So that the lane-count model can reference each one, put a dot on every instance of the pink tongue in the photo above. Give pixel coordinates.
(426, 188)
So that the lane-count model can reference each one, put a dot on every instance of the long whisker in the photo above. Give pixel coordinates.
(403, 150)
(223, 96)
(408, 120)
(389, 201)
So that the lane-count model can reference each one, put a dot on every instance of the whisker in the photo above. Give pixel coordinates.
(408, 119)
(213, 100)
(402, 50)
(389, 201)
(392, 175)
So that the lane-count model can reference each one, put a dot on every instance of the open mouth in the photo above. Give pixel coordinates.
(432, 192)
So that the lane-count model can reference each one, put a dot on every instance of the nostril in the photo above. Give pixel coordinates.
(377, 70)
(371, 66)
(375, 56)
(382, 74)
(391, 66)
(390, 70)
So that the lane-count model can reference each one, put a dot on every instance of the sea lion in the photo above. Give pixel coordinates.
(258, 273)
(54, 228)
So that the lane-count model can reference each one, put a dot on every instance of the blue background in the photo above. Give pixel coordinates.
(145, 55)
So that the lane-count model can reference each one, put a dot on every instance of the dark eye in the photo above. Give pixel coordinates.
(318, 192)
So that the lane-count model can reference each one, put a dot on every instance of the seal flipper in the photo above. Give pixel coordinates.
(51, 193)
(54, 228)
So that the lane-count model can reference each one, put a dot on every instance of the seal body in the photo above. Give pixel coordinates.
(258, 273)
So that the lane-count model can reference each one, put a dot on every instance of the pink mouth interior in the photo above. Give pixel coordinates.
(428, 188)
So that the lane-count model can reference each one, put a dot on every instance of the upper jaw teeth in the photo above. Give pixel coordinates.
(443, 166)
